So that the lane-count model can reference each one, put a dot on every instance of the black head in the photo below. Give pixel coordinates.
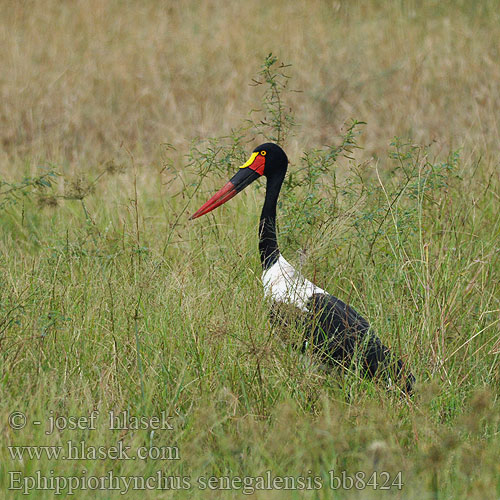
(276, 161)
(267, 159)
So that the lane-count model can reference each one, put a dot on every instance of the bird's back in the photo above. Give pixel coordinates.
(334, 329)
(284, 284)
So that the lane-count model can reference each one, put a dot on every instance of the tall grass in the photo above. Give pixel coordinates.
(111, 300)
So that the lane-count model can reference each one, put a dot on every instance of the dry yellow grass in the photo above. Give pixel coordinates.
(79, 79)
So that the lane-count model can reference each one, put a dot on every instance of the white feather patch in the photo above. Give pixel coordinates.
(283, 283)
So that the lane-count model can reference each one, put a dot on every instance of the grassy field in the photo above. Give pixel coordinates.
(119, 119)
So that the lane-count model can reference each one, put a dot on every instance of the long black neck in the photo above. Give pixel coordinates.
(268, 242)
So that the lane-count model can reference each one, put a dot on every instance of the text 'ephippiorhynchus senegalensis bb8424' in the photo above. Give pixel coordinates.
(334, 329)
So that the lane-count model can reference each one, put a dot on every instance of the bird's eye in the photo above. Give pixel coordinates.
(263, 153)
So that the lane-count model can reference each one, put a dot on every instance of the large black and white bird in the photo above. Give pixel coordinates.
(337, 332)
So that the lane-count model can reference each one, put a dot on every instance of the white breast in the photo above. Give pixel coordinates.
(283, 283)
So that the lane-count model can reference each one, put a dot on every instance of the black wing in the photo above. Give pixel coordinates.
(338, 332)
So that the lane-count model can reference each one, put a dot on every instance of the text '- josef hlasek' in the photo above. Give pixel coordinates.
(121, 420)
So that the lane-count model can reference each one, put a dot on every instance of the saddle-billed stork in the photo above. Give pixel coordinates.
(336, 331)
